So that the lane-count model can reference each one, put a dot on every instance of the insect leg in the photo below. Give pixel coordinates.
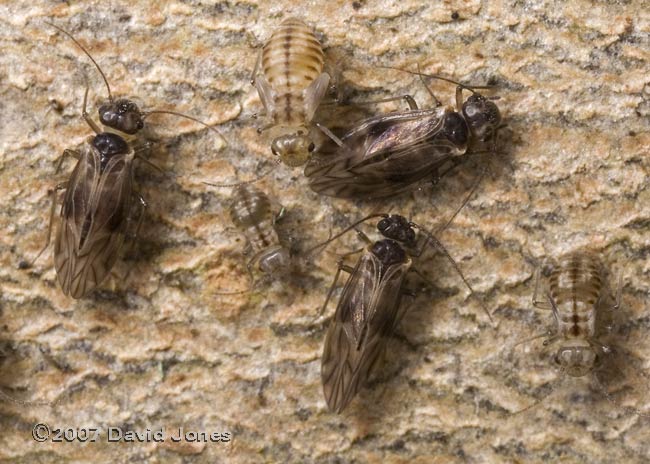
(58, 187)
(67, 152)
(341, 267)
(410, 101)
(278, 217)
(252, 261)
(249, 267)
(143, 208)
(549, 338)
(436, 101)
(606, 349)
(540, 304)
(251, 277)
(619, 290)
(140, 148)
(363, 237)
(556, 313)
(453, 164)
(146, 147)
(330, 134)
(257, 66)
(422, 277)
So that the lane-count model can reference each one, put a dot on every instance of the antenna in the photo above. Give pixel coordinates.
(146, 114)
(446, 79)
(108, 87)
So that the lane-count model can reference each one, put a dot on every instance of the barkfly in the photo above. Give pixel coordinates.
(584, 310)
(98, 208)
(370, 306)
(389, 154)
(291, 85)
(252, 212)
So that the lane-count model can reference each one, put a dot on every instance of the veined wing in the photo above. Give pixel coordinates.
(365, 316)
(384, 156)
(94, 215)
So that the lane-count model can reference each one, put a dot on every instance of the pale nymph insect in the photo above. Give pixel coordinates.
(291, 81)
(391, 153)
(251, 211)
(585, 310)
(99, 207)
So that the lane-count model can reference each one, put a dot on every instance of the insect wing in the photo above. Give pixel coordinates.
(93, 221)
(365, 316)
(385, 155)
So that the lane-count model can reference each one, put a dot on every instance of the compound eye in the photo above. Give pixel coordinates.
(311, 147)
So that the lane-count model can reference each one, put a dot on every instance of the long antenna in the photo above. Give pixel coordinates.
(146, 114)
(444, 251)
(446, 79)
(108, 87)
(346, 230)
(553, 386)
(245, 182)
(471, 193)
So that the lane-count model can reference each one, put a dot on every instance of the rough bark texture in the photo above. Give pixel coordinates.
(158, 346)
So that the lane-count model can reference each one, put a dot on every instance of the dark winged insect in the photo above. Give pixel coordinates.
(370, 306)
(584, 311)
(98, 209)
(291, 85)
(391, 153)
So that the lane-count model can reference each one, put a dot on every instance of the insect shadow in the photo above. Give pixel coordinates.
(585, 341)
(392, 153)
(370, 306)
(99, 206)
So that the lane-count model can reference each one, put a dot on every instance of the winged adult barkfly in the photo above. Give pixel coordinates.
(389, 154)
(370, 307)
(98, 209)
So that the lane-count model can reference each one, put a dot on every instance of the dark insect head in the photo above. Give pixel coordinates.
(109, 145)
(397, 228)
(482, 116)
(455, 128)
(122, 114)
(388, 252)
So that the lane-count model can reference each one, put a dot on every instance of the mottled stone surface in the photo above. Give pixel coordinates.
(158, 346)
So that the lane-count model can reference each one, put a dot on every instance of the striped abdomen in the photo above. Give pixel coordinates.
(575, 286)
(291, 60)
(250, 210)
